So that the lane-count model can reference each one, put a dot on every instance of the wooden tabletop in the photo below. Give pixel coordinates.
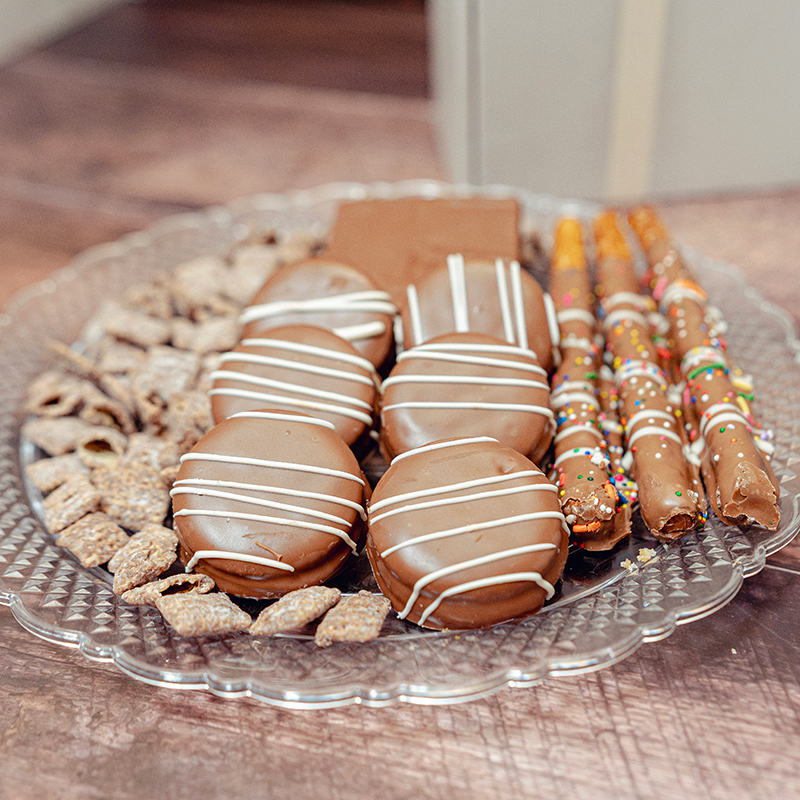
(163, 106)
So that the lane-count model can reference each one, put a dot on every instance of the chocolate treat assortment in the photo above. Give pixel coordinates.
(414, 330)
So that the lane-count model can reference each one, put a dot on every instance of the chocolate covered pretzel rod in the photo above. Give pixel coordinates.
(670, 495)
(598, 516)
(732, 452)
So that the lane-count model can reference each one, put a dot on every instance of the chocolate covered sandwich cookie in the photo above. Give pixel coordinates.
(476, 296)
(466, 533)
(466, 384)
(326, 294)
(299, 368)
(268, 502)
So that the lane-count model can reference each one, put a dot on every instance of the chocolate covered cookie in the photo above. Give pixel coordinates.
(326, 294)
(268, 502)
(466, 533)
(298, 368)
(496, 298)
(466, 384)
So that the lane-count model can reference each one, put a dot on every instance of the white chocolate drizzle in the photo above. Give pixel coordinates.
(456, 487)
(630, 298)
(363, 330)
(260, 487)
(576, 427)
(414, 314)
(291, 523)
(652, 430)
(576, 315)
(619, 315)
(477, 380)
(465, 498)
(458, 292)
(307, 349)
(697, 355)
(495, 580)
(267, 463)
(229, 555)
(463, 358)
(426, 448)
(505, 305)
(366, 301)
(203, 491)
(476, 562)
(283, 417)
(269, 399)
(518, 303)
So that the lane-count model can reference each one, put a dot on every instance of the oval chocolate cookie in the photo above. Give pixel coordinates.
(330, 295)
(482, 297)
(298, 368)
(466, 533)
(466, 384)
(268, 502)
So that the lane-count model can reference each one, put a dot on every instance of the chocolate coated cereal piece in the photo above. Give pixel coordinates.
(357, 618)
(146, 555)
(157, 452)
(150, 537)
(133, 326)
(94, 539)
(212, 335)
(57, 436)
(69, 502)
(151, 299)
(149, 593)
(193, 614)
(54, 394)
(101, 446)
(114, 356)
(49, 473)
(166, 371)
(187, 419)
(132, 494)
(294, 610)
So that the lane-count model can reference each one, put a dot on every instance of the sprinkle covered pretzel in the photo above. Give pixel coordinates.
(727, 443)
(670, 495)
(596, 512)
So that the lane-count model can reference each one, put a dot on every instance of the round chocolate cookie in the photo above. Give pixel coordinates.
(466, 533)
(499, 299)
(268, 502)
(466, 384)
(328, 295)
(299, 368)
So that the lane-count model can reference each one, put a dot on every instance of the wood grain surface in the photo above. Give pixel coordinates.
(158, 107)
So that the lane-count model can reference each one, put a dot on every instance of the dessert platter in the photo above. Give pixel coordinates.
(614, 595)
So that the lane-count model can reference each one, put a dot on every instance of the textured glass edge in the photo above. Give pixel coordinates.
(744, 565)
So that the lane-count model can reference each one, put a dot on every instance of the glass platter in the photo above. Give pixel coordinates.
(601, 615)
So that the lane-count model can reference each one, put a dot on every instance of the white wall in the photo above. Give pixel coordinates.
(24, 23)
(618, 98)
